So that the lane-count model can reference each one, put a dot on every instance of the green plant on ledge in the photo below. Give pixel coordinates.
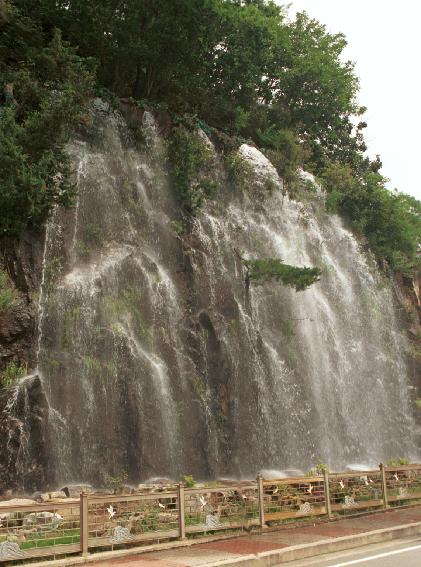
(398, 462)
(11, 375)
(189, 481)
(267, 269)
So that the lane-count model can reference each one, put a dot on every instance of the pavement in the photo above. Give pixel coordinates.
(400, 553)
(271, 547)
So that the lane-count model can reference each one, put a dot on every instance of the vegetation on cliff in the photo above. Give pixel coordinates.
(241, 66)
(263, 270)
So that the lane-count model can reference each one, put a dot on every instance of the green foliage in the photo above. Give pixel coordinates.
(178, 227)
(188, 158)
(260, 271)
(92, 365)
(189, 481)
(92, 238)
(239, 170)
(398, 462)
(50, 84)
(12, 374)
(418, 403)
(241, 66)
(390, 221)
(8, 293)
(321, 468)
(93, 234)
(414, 351)
(115, 483)
(283, 149)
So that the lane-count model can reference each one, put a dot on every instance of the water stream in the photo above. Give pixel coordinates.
(156, 361)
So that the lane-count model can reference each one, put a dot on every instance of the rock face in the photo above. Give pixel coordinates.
(153, 359)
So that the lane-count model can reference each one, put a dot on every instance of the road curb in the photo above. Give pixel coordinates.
(332, 545)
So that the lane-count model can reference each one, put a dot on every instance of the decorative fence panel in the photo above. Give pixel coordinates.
(97, 522)
(293, 498)
(403, 484)
(354, 492)
(41, 530)
(222, 508)
(120, 520)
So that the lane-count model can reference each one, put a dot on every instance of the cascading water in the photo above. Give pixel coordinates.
(156, 360)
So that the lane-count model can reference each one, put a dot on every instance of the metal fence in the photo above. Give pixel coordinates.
(95, 523)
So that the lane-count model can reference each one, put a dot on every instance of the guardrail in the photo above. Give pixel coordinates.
(95, 523)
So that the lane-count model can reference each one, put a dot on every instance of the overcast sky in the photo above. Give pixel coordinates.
(383, 40)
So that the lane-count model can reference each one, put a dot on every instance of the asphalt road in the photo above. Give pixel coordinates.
(399, 553)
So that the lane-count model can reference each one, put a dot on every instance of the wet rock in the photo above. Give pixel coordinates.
(48, 496)
(75, 490)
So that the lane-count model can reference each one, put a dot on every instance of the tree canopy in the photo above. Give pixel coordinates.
(241, 66)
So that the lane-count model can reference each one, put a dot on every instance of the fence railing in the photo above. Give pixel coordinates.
(95, 523)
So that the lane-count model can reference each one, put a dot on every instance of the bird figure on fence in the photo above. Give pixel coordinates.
(310, 489)
(203, 502)
(276, 490)
(341, 484)
(111, 511)
(161, 505)
(371, 481)
(395, 476)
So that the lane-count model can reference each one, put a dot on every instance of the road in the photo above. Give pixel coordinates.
(399, 553)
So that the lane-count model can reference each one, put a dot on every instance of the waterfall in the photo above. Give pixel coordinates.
(156, 360)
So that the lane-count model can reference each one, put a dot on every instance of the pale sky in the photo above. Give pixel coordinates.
(383, 41)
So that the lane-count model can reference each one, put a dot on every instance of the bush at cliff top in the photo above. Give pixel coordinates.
(50, 83)
(391, 221)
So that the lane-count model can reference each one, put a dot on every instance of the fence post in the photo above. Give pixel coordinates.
(181, 516)
(327, 493)
(384, 486)
(84, 524)
(261, 501)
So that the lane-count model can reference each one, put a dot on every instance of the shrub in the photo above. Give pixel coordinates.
(260, 271)
(93, 234)
(398, 462)
(115, 483)
(188, 158)
(12, 374)
(189, 481)
(239, 170)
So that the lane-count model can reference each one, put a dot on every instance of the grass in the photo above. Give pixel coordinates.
(54, 538)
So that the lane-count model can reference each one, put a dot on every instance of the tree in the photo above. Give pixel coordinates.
(51, 82)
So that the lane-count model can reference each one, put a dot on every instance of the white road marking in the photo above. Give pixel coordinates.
(388, 554)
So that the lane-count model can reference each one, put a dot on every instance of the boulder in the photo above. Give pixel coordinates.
(75, 490)
(48, 496)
